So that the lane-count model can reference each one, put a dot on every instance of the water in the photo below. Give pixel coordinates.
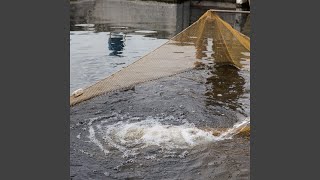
(167, 133)
(93, 58)
(143, 27)
(166, 129)
(121, 146)
(137, 27)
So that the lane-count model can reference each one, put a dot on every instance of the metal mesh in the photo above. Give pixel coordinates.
(226, 45)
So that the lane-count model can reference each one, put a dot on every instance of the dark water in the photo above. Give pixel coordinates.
(107, 35)
(156, 130)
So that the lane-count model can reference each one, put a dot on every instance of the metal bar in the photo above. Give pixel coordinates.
(229, 11)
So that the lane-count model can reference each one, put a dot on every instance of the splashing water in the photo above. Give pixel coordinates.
(237, 128)
(131, 136)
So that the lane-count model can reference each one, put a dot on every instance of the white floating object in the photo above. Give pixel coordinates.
(146, 32)
(219, 95)
(77, 92)
(84, 25)
(120, 27)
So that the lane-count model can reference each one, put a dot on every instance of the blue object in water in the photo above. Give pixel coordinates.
(116, 44)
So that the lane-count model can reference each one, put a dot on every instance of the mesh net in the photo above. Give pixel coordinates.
(210, 37)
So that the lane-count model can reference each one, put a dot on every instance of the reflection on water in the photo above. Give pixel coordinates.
(226, 87)
(106, 34)
(166, 19)
(116, 43)
(92, 59)
(104, 37)
(215, 40)
(212, 41)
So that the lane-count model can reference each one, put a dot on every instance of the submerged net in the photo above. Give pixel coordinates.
(209, 38)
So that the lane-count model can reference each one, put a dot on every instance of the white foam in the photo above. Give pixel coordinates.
(152, 132)
(132, 135)
(93, 139)
(238, 127)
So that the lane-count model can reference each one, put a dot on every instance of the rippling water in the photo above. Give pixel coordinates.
(169, 134)
(92, 58)
(143, 26)
(160, 130)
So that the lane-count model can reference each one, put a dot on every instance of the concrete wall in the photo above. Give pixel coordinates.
(167, 19)
(171, 18)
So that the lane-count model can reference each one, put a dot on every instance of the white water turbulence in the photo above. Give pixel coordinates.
(237, 128)
(133, 135)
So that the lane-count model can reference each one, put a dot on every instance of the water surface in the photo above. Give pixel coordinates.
(160, 129)
(107, 35)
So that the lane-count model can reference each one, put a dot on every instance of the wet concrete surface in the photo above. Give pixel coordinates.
(208, 98)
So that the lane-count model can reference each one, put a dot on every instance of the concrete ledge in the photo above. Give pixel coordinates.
(217, 5)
